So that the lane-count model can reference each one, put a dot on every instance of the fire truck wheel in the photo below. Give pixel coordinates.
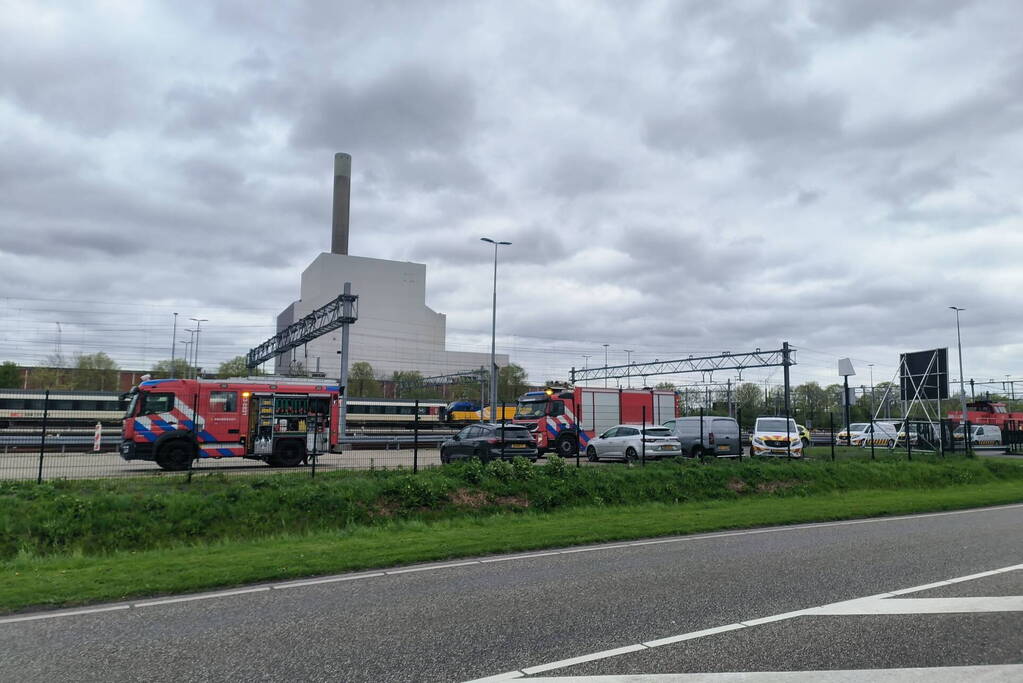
(566, 446)
(175, 455)
(289, 453)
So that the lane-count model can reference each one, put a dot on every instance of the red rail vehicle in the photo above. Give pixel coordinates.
(566, 418)
(174, 421)
(988, 413)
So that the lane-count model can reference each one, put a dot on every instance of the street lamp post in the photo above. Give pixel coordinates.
(493, 336)
(605, 364)
(871, 366)
(962, 382)
(195, 347)
(188, 353)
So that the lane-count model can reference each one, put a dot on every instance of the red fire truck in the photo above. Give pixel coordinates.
(174, 421)
(566, 418)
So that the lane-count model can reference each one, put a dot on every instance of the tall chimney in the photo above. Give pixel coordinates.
(342, 199)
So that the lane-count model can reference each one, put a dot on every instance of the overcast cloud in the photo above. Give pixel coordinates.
(676, 176)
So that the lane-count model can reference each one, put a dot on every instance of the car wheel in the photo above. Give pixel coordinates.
(591, 454)
(891, 444)
(696, 452)
(806, 443)
(444, 457)
(630, 454)
(708, 456)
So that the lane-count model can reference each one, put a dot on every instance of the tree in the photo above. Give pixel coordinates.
(95, 371)
(409, 384)
(361, 381)
(236, 368)
(665, 386)
(53, 375)
(748, 401)
(511, 383)
(10, 376)
(182, 369)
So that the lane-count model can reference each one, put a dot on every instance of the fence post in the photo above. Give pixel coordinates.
(873, 437)
(909, 441)
(415, 439)
(42, 438)
(831, 422)
(198, 436)
(316, 432)
(642, 440)
(701, 432)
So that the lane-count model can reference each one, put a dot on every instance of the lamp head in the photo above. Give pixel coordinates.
(486, 239)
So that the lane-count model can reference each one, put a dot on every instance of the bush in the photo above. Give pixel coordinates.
(555, 467)
(501, 470)
(524, 469)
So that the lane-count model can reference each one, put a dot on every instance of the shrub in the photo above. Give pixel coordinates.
(555, 467)
(524, 470)
(501, 470)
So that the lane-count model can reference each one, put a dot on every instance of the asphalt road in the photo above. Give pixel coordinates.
(475, 618)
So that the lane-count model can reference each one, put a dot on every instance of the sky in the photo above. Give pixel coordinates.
(676, 177)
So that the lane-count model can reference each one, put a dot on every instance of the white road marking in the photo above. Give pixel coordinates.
(999, 673)
(53, 615)
(568, 551)
(1006, 603)
(870, 602)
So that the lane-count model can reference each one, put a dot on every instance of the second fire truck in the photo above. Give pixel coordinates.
(564, 419)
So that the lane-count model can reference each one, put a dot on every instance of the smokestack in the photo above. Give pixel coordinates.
(342, 198)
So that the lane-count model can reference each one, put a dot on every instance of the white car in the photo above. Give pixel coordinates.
(771, 437)
(628, 442)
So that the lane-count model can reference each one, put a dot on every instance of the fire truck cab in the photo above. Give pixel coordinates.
(174, 421)
(563, 419)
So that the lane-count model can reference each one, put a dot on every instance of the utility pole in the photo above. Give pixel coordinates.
(195, 347)
(174, 344)
(629, 363)
(962, 384)
(342, 395)
(605, 364)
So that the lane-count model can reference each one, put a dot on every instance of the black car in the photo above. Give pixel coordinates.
(489, 442)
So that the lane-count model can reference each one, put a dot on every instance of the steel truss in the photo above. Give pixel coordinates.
(466, 377)
(344, 310)
(726, 361)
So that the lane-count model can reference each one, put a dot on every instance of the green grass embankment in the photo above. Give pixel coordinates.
(71, 542)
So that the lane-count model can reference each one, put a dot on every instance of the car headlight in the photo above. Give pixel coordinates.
(758, 441)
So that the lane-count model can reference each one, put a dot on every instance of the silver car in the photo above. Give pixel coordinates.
(630, 442)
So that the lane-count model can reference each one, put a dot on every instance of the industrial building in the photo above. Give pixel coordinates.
(396, 330)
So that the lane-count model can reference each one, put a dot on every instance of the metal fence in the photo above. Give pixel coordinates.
(45, 437)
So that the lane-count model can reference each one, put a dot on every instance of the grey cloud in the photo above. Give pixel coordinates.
(576, 174)
(408, 110)
(905, 14)
(199, 110)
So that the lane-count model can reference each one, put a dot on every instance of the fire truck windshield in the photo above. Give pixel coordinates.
(531, 409)
(132, 405)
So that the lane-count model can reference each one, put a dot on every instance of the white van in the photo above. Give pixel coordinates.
(772, 437)
(981, 435)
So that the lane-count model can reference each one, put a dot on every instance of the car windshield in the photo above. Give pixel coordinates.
(531, 409)
(657, 431)
(775, 425)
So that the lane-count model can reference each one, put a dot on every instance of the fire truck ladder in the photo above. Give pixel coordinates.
(344, 310)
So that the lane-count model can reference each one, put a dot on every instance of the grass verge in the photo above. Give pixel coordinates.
(76, 578)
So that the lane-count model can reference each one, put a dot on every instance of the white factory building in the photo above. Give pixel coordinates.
(395, 331)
